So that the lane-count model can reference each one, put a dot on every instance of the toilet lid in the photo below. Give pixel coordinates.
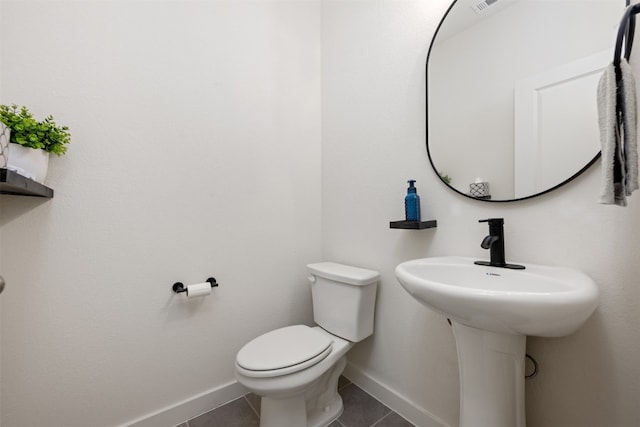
(289, 347)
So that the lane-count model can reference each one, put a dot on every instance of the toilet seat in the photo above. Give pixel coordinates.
(283, 351)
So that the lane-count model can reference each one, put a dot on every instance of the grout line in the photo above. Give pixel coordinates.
(250, 406)
(380, 420)
(374, 398)
(344, 385)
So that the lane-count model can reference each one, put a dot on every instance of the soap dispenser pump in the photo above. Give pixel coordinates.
(412, 203)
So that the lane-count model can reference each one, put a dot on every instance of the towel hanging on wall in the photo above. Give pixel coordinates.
(617, 119)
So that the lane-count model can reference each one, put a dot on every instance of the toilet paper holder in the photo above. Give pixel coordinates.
(179, 287)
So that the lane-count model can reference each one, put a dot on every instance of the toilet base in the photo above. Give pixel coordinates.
(323, 402)
(319, 406)
(291, 413)
(283, 412)
(327, 416)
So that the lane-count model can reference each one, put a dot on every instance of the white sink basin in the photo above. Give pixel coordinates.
(540, 301)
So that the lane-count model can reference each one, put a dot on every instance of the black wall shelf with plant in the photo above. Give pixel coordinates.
(13, 183)
(413, 225)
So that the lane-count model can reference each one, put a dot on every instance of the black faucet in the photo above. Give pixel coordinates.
(495, 243)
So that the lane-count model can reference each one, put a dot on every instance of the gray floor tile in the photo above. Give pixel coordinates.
(254, 400)
(393, 420)
(234, 414)
(343, 382)
(360, 409)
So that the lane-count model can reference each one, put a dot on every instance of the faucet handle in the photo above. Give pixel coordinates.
(491, 221)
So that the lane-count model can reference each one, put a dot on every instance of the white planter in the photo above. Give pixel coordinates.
(5, 134)
(28, 162)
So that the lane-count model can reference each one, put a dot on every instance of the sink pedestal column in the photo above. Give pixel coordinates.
(491, 377)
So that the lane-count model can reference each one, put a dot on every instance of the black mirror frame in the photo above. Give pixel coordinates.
(433, 166)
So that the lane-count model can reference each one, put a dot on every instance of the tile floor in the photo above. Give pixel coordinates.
(360, 410)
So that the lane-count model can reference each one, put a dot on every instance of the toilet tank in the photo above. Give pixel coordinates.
(344, 299)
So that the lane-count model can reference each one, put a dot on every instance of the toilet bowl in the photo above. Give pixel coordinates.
(295, 369)
(310, 385)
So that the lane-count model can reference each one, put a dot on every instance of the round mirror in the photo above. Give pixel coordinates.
(511, 93)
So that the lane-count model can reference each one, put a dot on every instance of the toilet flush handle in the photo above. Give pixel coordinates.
(312, 278)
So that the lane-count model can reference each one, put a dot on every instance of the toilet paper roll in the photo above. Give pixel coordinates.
(198, 290)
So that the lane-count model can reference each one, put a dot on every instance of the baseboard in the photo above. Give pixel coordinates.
(189, 408)
(394, 400)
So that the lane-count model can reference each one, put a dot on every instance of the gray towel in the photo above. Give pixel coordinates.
(630, 123)
(617, 119)
(608, 123)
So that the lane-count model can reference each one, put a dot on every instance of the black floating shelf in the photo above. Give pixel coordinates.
(413, 225)
(13, 183)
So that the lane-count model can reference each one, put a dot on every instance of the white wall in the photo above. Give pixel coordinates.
(195, 152)
(372, 142)
(91, 334)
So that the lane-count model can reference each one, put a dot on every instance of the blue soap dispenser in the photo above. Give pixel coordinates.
(412, 203)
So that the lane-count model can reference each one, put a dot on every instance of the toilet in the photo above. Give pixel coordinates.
(295, 369)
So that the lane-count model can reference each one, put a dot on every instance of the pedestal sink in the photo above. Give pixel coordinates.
(492, 311)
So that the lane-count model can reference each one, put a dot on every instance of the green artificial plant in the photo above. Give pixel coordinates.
(27, 131)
